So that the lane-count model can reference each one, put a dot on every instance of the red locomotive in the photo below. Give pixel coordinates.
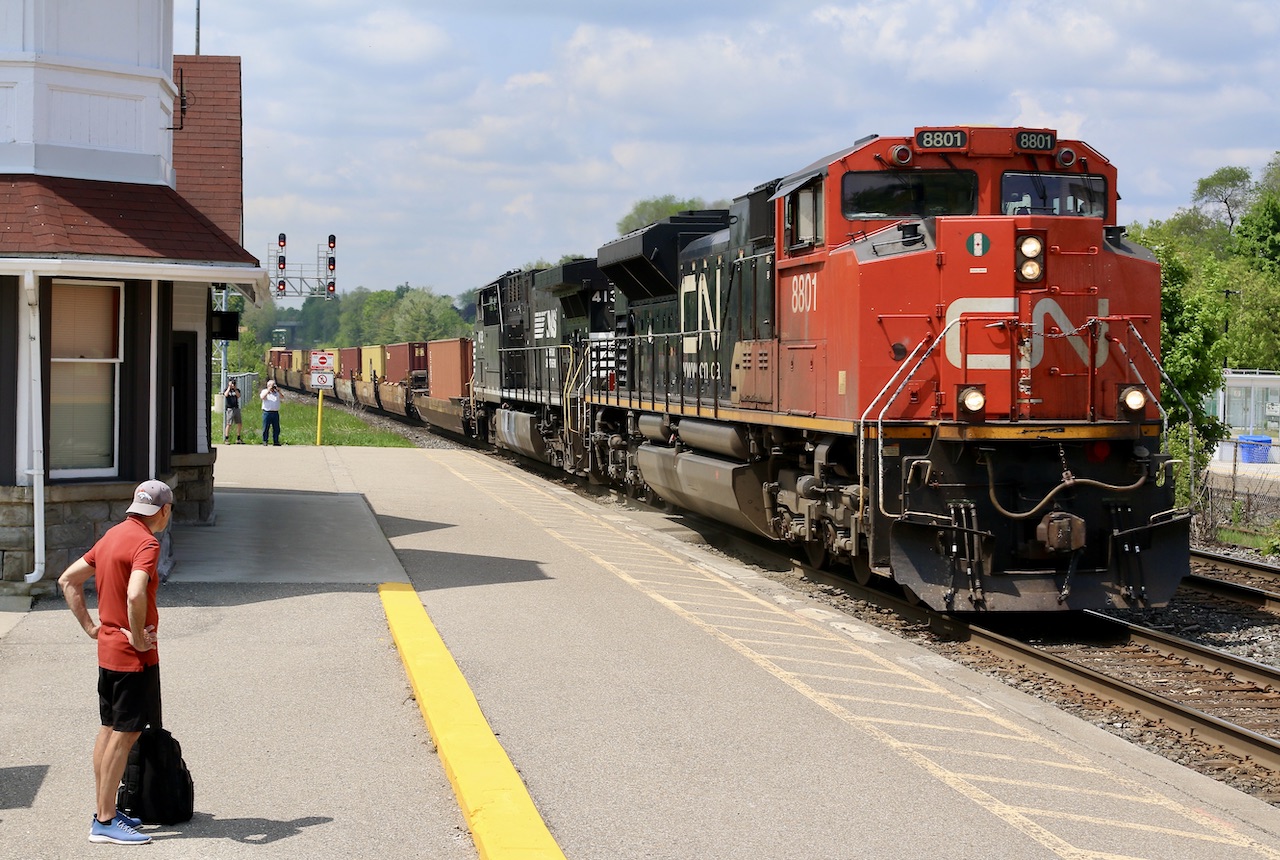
(934, 358)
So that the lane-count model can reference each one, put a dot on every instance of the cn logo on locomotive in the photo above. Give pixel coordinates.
(700, 310)
(990, 308)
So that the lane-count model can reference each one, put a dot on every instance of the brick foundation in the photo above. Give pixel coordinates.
(76, 515)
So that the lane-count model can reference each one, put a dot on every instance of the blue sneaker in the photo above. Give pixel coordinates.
(116, 833)
(135, 823)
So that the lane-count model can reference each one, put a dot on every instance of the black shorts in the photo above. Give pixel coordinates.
(129, 701)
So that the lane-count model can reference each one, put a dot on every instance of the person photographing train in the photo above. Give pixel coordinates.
(270, 397)
(231, 413)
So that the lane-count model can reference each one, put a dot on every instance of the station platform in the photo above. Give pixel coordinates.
(654, 699)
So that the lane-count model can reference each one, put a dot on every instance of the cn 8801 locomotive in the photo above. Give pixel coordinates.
(934, 358)
(931, 358)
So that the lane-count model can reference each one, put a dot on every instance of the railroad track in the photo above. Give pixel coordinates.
(1230, 702)
(1251, 583)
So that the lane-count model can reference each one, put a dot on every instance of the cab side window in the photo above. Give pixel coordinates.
(804, 216)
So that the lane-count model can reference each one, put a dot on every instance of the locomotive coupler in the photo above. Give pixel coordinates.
(1060, 531)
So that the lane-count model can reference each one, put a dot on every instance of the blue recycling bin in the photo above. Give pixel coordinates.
(1255, 449)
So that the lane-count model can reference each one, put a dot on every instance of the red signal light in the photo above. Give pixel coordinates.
(281, 240)
(332, 263)
(280, 262)
(333, 241)
(280, 287)
(331, 288)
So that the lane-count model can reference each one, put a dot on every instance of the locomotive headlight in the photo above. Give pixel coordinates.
(971, 403)
(1133, 400)
(1029, 262)
(973, 399)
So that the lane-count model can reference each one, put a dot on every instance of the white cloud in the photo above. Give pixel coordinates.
(446, 142)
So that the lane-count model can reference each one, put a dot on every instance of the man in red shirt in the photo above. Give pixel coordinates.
(124, 566)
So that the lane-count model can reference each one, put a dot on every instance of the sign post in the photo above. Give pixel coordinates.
(322, 365)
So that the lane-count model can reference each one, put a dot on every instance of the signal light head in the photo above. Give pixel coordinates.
(280, 262)
(331, 288)
(280, 286)
(333, 241)
(281, 240)
(332, 263)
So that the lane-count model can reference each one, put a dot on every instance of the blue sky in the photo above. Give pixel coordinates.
(446, 142)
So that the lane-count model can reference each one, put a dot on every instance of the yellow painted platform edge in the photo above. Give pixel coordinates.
(495, 802)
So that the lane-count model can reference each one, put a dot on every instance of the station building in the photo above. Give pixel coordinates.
(1249, 404)
(119, 212)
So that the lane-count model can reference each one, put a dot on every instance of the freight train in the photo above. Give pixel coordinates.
(932, 358)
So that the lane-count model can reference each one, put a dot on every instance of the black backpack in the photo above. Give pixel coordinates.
(157, 787)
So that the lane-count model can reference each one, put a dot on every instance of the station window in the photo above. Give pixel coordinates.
(908, 194)
(1078, 194)
(86, 328)
(804, 216)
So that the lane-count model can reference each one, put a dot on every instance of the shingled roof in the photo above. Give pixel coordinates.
(50, 216)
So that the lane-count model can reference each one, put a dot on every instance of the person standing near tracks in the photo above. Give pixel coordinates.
(270, 397)
(231, 412)
(124, 564)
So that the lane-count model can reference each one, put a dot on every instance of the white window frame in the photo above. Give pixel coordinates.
(114, 469)
(805, 217)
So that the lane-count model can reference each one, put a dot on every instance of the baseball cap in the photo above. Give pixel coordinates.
(150, 497)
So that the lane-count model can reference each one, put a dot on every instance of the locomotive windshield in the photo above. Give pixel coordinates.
(920, 194)
(1083, 195)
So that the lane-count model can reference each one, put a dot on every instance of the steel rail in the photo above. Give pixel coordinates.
(1240, 741)
(1259, 598)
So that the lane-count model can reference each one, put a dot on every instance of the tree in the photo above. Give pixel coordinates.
(1228, 189)
(320, 321)
(646, 212)
(1192, 229)
(465, 304)
(351, 319)
(1192, 333)
(422, 315)
(260, 320)
(376, 318)
(1270, 181)
(1258, 239)
(1253, 335)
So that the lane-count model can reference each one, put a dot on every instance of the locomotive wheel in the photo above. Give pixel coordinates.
(816, 554)
(861, 569)
(910, 596)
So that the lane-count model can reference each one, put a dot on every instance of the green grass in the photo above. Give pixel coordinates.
(298, 426)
